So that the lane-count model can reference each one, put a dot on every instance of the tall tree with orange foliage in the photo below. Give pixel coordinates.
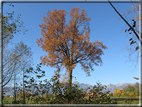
(69, 44)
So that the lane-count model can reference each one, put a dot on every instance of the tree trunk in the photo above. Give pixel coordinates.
(23, 90)
(70, 79)
(14, 88)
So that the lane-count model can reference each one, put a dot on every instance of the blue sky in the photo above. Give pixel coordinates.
(105, 25)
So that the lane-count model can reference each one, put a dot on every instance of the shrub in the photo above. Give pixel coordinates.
(76, 96)
(73, 96)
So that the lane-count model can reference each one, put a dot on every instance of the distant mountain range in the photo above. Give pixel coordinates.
(110, 87)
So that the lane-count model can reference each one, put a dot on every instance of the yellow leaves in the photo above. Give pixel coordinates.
(119, 92)
(122, 94)
(122, 90)
(45, 96)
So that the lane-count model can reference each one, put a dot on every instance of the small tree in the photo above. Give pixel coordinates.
(118, 92)
(30, 82)
(10, 27)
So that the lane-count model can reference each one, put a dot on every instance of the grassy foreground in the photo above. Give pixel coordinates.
(118, 100)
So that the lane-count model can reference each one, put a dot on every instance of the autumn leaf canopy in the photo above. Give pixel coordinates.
(69, 44)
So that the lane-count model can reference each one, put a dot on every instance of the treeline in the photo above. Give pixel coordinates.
(42, 95)
(128, 91)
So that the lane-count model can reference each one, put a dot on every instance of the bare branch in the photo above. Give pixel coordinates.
(126, 23)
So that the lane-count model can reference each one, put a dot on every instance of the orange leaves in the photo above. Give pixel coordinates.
(64, 79)
(53, 23)
(69, 44)
(100, 44)
(74, 12)
(41, 57)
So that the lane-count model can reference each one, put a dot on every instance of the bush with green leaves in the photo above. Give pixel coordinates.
(77, 96)
(132, 90)
(61, 93)
(37, 99)
(98, 97)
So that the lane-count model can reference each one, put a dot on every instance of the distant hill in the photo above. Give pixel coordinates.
(110, 87)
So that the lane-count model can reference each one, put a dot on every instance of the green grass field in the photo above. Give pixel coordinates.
(119, 100)
(126, 100)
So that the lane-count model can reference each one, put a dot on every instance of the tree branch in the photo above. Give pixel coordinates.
(126, 22)
(16, 57)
